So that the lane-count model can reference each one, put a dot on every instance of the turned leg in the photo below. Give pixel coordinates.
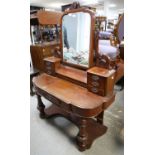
(82, 135)
(100, 118)
(40, 106)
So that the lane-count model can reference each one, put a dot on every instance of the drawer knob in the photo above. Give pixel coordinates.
(96, 84)
(94, 90)
(48, 72)
(94, 77)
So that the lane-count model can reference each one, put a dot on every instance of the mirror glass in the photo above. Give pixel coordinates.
(76, 38)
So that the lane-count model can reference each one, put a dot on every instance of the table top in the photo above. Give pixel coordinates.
(68, 92)
(101, 71)
(73, 73)
(52, 59)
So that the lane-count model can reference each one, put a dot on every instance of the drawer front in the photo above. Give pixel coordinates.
(47, 63)
(96, 90)
(48, 67)
(95, 81)
(95, 78)
(53, 99)
(48, 72)
(100, 85)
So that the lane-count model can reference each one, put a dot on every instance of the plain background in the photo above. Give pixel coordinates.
(139, 77)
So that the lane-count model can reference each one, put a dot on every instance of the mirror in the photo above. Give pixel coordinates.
(76, 38)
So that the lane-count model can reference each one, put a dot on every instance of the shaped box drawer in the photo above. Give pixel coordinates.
(95, 81)
(96, 90)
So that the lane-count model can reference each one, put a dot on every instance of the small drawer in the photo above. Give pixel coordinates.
(95, 83)
(48, 71)
(96, 90)
(48, 67)
(53, 99)
(95, 77)
(47, 63)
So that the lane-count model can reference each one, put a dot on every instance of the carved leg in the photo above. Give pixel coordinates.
(100, 118)
(40, 106)
(82, 135)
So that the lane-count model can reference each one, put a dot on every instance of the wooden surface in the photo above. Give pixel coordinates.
(101, 71)
(41, 51)
(52, 59)
(53, 66)
(72, 73)
(76, 103)
(45, 44)
(103, 85)
(101, 81)
(71, 100)
(49, 17)
(68, 92)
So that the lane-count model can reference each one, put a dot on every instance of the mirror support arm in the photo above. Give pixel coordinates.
(106, 62)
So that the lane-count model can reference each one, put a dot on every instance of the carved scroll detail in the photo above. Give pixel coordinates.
(106, 62)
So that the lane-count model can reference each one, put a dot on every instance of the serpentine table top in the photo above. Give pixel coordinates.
(72, 97)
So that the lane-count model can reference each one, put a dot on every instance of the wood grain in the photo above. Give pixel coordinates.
(68, 92)
(49, 17)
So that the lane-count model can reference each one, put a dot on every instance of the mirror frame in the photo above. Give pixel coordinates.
(92, 32)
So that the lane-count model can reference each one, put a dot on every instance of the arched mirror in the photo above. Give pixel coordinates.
(77, 38)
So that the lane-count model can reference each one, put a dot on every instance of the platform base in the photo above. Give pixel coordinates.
(89, 128)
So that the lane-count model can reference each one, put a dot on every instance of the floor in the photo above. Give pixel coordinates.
(56, 136)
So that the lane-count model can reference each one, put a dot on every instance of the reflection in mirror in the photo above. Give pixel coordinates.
(76, 38)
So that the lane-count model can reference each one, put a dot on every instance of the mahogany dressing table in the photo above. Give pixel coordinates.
(79, 90)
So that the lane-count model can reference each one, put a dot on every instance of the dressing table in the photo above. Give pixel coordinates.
(78, 89)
